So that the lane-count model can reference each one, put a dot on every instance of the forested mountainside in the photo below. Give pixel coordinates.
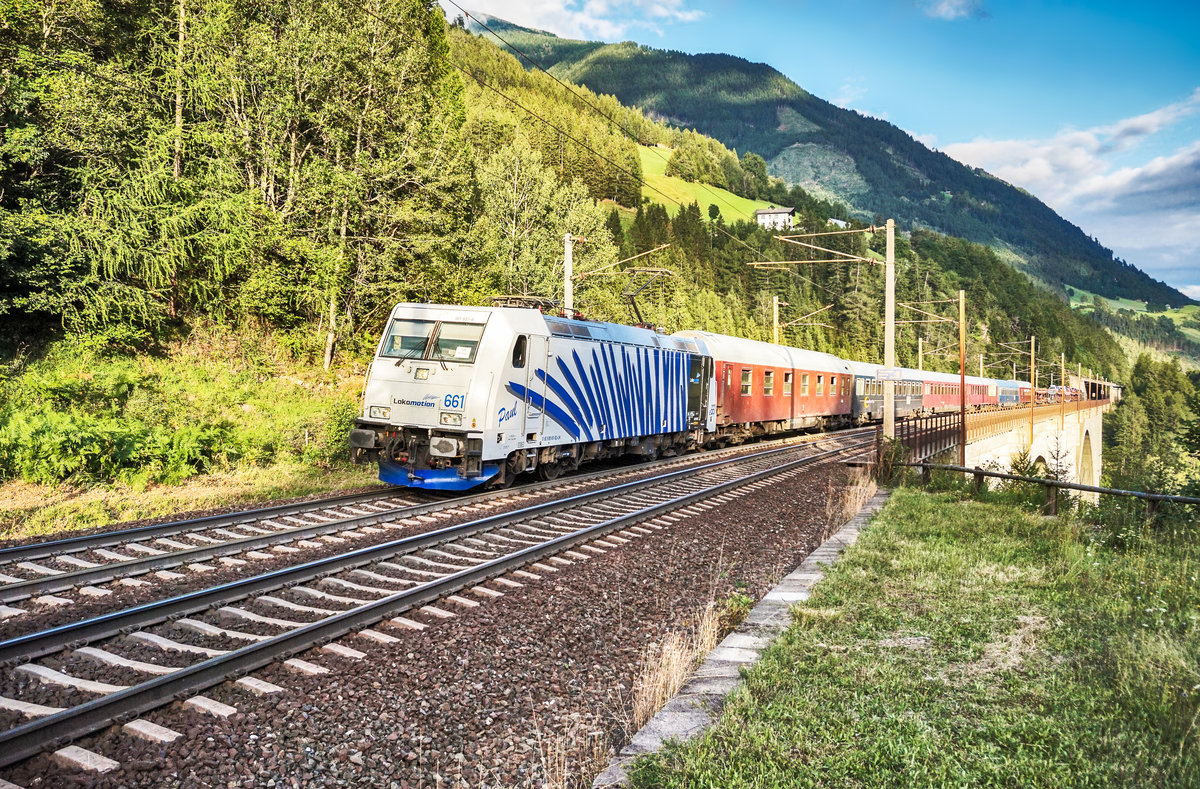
(157, 195)
(872, 165)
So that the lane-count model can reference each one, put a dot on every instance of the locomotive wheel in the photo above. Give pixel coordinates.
(548, 471)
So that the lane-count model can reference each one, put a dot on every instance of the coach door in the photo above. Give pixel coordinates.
(535, 413)
(700, 372)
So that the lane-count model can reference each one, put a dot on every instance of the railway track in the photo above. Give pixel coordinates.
(39, 571)
(213, 635)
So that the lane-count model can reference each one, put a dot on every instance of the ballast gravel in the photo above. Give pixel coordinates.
(150, 586)
(474, 700)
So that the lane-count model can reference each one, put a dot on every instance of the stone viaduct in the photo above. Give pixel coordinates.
(1067, 439)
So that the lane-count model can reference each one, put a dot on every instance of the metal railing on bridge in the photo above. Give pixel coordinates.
(924, 437)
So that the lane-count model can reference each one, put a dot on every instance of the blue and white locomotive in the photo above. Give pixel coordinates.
(461, 396)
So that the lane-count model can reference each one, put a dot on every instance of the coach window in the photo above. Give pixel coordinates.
(820, 385)
(804, 384)
(769, 383)
(746, 380)
(833, 384)
(787, 384)
(518, 358)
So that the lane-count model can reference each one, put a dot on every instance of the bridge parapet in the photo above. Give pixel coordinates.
(1066, 437)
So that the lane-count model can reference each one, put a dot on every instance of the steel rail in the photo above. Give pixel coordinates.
(33, 587)
(33, 645)
(30, 739)
(41, 550)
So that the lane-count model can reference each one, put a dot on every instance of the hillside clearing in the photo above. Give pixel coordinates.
(674, 192)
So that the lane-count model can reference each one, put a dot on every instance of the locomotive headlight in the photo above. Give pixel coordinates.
(380, 412)
(451, 419)
(422, 373)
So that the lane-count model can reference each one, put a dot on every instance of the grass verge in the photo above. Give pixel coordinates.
(962, 643)
(32, 510)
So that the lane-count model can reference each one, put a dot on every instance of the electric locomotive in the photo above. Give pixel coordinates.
(461, 396)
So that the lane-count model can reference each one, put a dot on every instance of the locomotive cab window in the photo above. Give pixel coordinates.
(769, 383)
(518, 356)
(746, 381)
(407, 339)
(456, 342)
(441, 341)
(787, 384)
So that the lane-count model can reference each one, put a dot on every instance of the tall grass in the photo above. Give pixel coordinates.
(666, 666)
(210, 402)
(966, 643)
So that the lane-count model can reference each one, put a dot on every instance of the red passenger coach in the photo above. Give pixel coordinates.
(941, 392)
(765, 388)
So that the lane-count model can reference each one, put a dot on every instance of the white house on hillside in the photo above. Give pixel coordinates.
(838, 223)
(775, 218)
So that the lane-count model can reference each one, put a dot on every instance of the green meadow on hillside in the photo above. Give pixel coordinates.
(675, 192)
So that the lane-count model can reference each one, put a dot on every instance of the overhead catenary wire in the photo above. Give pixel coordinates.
(566, 85)
(638, 179)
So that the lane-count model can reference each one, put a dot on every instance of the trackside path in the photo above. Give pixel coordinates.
(962, 643)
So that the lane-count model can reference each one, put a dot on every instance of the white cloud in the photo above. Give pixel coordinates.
(1074, 168)
(1191, 291)
(928, 140)
(590, 19)
(851, 91)
(1149, 214)
(953, 9)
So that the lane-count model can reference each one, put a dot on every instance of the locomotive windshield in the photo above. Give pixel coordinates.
(432, 340)
(407, 339)
(456, 342)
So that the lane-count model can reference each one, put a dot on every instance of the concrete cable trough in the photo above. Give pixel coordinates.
(694, 710)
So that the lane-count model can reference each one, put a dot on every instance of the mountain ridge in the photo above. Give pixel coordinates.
(871, 165)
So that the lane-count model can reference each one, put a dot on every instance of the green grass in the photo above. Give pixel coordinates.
(674, 192)
(1083, 298)
(970, 644)
(89, 436)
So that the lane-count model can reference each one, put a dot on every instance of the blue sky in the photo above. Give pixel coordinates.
(1093, 107)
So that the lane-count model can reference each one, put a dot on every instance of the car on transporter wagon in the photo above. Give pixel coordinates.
(458, 397)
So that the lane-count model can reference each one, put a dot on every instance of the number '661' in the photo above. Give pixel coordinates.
(453, 401)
